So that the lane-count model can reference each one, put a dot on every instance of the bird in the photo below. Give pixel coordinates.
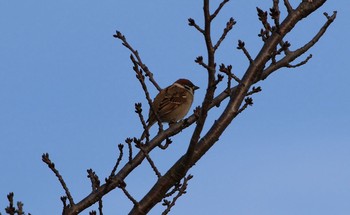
(172, 103)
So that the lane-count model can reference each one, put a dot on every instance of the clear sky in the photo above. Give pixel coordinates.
(67, 88)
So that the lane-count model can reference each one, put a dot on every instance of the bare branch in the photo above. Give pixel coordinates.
(198, 147)
(95, 184)
(227, 29)
(292, 55)
(64, 202)
(180, 191)
(199, 60)
(150, 161)
(127, 194)
(168, 141)
(10, 209)
(253, 91)
(191, 22)
(138, 110)
(51, 165)
(129, 141)
(174, 190)
(288, 6)
(100, 207)
(301, 63)
(247, 102)
(216, 12)
(275, 14)
(120, 147)
(227, 71)
(148, 73)
(237, 96)
(241, 46)
(140, 77)
(266, 32)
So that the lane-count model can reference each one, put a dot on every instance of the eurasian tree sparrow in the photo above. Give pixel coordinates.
(172, 103)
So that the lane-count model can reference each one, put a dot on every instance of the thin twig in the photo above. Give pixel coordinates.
(221, 5)
(51, 165)
(64, 202)
(301, 63)
(95, 184)
(227, 70)
(176, 188)
(275, 14)
(140, 77)
(180, 191)
(100, 207)
(191, 22)
(10, 209)
(227, 29)
(138, 110)
(150, 161)
(149, 74)
(264, 34)
(136, 59)
(241, 46)
(199, 60)
(247, 102)
(284, 47)
(253, 91)
(128, 195)
(120, 147)
(168, 141)
(129, 141)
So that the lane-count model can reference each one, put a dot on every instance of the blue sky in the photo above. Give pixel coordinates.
(67, 88)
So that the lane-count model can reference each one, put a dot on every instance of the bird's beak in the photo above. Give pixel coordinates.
(195, 88)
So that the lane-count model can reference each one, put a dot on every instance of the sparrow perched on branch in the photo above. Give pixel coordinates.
(172, 103)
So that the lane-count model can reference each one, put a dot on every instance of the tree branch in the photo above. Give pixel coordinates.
(148, 73)
(288, 6)
(120, 147)
(51, 165)
(221, 5)
(198, 147)
(292, 55)
(176, 172)
(227, 29)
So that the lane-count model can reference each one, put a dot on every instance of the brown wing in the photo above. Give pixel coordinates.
(173, 98)
(167, 100)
